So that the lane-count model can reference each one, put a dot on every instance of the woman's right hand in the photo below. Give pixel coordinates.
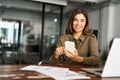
(59, 51)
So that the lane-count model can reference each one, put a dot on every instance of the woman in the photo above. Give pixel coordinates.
(79, 32)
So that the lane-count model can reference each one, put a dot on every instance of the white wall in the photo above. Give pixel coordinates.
(110, 24)
(94, 19)
(117, 20)
(104, 28)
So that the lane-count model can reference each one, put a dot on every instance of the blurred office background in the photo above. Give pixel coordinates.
(29, 29)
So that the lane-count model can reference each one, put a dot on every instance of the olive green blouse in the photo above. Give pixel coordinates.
(87, 47)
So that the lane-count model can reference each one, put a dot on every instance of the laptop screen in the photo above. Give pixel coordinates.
(111, 68)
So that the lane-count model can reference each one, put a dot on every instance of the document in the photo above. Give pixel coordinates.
(56, 72)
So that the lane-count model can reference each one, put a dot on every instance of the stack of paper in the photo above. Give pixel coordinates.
(56, 72)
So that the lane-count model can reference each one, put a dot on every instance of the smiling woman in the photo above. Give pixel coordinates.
(86, 47)
(79, 24)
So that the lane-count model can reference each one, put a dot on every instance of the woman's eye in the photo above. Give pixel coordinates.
(83, 20)
(75, 20)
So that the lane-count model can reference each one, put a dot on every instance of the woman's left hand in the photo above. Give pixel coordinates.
(73, 55)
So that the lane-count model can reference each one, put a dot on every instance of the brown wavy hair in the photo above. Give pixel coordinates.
(86, 30)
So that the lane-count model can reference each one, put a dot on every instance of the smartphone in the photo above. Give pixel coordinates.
(70, 46)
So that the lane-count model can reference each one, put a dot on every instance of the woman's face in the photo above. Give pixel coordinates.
(79, 23)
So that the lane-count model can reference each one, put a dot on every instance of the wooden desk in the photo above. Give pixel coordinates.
(13, 72)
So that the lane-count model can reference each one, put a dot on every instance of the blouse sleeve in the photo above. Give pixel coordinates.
(93, 57)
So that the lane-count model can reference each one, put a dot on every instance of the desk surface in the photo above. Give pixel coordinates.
(13, 72)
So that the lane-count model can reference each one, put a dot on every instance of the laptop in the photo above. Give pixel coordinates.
(112, 65)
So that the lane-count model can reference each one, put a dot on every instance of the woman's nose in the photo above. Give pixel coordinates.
(79, 22)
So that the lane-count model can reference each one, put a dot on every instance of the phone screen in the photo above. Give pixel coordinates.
(70, 46)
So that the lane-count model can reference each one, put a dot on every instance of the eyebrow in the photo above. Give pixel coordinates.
(80, 19)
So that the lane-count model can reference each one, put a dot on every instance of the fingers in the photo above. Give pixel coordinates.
(68, 53)
(71, 54)
(59, 51)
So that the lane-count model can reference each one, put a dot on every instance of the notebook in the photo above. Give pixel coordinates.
(112, 65)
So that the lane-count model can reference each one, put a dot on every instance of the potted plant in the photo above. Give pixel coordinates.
(104, 56)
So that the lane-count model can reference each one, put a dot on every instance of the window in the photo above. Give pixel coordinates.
(9, 32)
